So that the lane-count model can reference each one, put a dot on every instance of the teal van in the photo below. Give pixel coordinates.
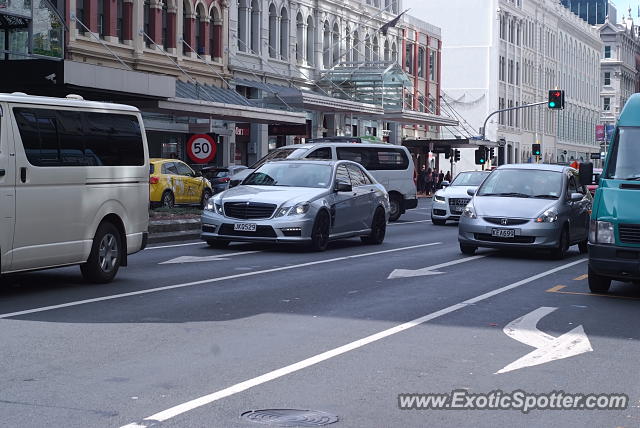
(614, 236)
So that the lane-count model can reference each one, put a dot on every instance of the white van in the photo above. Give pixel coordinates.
(74, 185)
(391, 165)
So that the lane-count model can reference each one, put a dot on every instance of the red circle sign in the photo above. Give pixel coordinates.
(201, 148)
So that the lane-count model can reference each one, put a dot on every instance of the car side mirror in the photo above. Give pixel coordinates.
(472, 191)
(576, 197)
(343, 186)
(586, 173)
(445, 184)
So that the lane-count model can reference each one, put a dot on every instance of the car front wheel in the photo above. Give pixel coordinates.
(468, 250)
(598, 283)
(320, 232)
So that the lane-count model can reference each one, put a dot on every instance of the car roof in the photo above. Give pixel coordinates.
(340, 144)
(162, 160)
(536, 166)
(76, 101)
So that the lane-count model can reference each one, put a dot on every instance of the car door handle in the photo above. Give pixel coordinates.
(2, 172)
(23, 174)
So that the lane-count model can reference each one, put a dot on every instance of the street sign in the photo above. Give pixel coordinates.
(548, 348)
(596, 156)
(201, 148)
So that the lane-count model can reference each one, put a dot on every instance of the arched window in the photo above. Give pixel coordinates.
(422, 57)
(394, 52)
(376, 49)
(119, 20)
(336, 43)
(347, 47)
(310, 40)
(367, 48)
(255, 27)
(243, 15)
(186, 27)
(355, 57)
(394, 6)
(145, 16)
(101, 19)
(215, 31)
(165, 30)
(200, 34)
(299, 37)
(284, 34)
(273, 29)
(326, 45)
(387, 51)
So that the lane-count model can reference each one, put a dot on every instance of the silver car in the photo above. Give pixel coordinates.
(302, 201)
(449, 202)
(527, 206)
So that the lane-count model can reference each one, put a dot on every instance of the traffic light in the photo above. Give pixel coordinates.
(456, 155)
(536, 150)
(447, 154)
(492, 153)
(556, 99)
(481, 156)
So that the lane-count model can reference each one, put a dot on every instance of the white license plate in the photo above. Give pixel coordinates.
(503, 233)
(245, 227)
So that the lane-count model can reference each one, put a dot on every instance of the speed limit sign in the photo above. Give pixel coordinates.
(201, 148)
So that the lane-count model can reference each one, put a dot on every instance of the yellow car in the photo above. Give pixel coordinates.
(173, 182)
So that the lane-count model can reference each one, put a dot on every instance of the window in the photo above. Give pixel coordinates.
(432, 65)
(358, 178)
(114, 138)
(243, 12)
(273, 23)
(80, 16)
(284, 34)
(607, 104)
(607, 78)
(607, 51)
(183, 169)
(342, 174)
(101, 23)
(169, 168)
(145, 17)
(322, 153)
(120, 20)
(374, 158)
(421, 60)
(409, 58)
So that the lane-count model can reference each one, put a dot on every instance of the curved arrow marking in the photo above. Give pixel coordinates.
(549, 348)
(429, 270)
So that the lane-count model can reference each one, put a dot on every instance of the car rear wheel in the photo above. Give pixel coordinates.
(378, 229)
(320, 232)
(218, 243)
(104, 260)
(168, 200)
(395, 203)
(468, 250)
(598, 283)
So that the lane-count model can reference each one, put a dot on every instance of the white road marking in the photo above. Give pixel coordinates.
(549, 348)
(429, 270)
(267, 377)
(408, 222)
(216, 257)
(175, 245)
(208, 281)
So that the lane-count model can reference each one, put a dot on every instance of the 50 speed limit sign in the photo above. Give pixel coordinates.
(201, 148)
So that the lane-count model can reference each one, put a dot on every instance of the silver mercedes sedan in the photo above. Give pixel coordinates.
(527, 206)
(303, 201)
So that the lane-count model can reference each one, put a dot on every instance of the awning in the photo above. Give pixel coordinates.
(445, 144)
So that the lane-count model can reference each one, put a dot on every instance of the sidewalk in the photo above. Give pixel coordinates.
(173, 230)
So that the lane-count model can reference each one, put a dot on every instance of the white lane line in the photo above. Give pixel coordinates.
(429, 270)
(208, 281)
(212, 258)
(408, 222)
(175, 245)
(243, 386)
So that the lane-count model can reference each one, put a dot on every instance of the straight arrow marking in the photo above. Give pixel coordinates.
(429, 270)
(549, 348)
(216, 257)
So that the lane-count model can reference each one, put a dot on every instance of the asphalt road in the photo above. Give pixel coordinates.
(188, 336)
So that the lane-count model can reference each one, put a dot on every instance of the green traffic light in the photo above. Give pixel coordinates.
(552, 104)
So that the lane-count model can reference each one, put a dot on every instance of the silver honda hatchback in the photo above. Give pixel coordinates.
(527, 206)
(299, 201)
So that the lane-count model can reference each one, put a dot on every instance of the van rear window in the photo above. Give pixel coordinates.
(373, 158)
(70, 138)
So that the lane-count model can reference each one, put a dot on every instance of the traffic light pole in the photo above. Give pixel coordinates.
(483, 130)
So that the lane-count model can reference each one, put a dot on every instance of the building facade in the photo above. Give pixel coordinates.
(592, 11)
(518, 51)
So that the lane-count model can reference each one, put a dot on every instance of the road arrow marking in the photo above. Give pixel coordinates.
(214, 258)
(549, 348)
(429, 270)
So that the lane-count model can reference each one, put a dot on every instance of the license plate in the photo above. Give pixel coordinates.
(503, 233)
(244, 227)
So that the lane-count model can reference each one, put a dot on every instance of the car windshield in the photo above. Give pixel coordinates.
(290, 175)
(624, 156)
(283, 153)
(469, 179)
(522, 183)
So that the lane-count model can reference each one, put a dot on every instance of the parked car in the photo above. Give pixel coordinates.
(173, 182)
(391, 165)
(299, 201)
(449, 202)
(527, 206)
(82, 199)
(220, 177)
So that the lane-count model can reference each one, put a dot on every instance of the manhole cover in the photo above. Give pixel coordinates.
(290, 417)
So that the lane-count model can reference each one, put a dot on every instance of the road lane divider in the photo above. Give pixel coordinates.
(209, 281)
(400, 223)
(430, 270)
(159, 247)
(204, 400)
(558, 290)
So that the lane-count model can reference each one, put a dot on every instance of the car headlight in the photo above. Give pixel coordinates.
(301, 208)
(469, 211)
(214, 205)
(209, 205)
(549, 216)
(438, 198)
(601, 232)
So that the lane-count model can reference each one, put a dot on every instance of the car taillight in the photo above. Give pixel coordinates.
(225, 180)
(153, 180)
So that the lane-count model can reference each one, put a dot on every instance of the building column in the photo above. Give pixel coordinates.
(127, 22)
(217, 39)
(205, 27)
(172, 37)
(258, 143)
(189, 34)
(111, 21)
(155, 23)
(91, 15)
